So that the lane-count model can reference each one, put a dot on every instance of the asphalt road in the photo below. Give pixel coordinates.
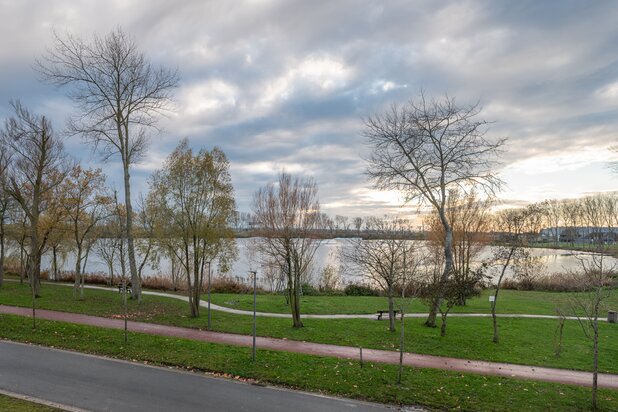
(98, 384)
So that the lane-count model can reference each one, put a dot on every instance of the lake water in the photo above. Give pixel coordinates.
(554, 260)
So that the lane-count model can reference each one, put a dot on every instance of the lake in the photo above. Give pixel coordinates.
(554, 260)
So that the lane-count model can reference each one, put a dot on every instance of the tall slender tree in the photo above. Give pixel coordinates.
(6, 203)
(119, 95)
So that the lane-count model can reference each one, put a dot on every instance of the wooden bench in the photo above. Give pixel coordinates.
(129, 291)
(382, 312)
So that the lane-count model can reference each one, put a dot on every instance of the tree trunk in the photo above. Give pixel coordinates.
(78, 271)
(443, 326)
(595, 366)
(136, 287)
(81, 274)
(448, 268)
(55, 262)
(401, 348)
(195, 303)
(294, 291)
(391, 310)
(22, 263)
(187, 265)
(496, 338)
(494, 320)
(173, 263)
(296, 303)
(34, 271)
(1, 253)
(197, 282)
(81, 287)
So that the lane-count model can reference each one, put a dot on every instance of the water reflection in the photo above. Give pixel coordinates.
(554, 260)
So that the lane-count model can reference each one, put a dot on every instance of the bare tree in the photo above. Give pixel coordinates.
(6, 204)
(328, 223)
(414, 264)
(598, 273)
(358, 224)
(514, 226)
(552, 211)
(330, 278)
(425, 148)
(54, 228)
(289, 214)
(595, 281)
(381, 261)
(119, 95)
(19, 234)
(86, 203)
(341, 222)
(38, 165)
(106, 250)
(196, 203)
(147, 223)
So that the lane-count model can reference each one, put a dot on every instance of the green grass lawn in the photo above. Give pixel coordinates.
(435, 389)
(509, 301)
(524, 341)
(17, 405)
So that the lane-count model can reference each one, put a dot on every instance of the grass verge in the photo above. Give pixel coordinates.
(8, 403)
(375, 382)
(523, 341)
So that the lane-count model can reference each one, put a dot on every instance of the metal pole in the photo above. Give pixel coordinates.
(254, 299)
(208, 295)
(124, 303)
(33, 301)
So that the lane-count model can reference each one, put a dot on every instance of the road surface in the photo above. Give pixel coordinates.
(91, 383)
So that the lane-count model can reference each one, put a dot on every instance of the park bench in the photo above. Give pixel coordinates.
(382, 312)
(129, 291)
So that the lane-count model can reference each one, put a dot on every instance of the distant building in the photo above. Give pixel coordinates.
(580, 234)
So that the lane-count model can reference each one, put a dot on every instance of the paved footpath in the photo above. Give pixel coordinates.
(369, 355)
(334, 316)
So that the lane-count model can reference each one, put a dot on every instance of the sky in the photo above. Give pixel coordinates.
(286, 84)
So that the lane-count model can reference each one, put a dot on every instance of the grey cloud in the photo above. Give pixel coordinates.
(534, 66)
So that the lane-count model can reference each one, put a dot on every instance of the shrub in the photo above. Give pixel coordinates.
(157, 283)
(558, 282)
(91, 278)
(228, 284)
(309, 290)
(355, 289)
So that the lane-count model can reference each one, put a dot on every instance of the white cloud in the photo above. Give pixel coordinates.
(609, 91)
(566, 161)
(314, 75)
(210, 96)
(266, 167)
